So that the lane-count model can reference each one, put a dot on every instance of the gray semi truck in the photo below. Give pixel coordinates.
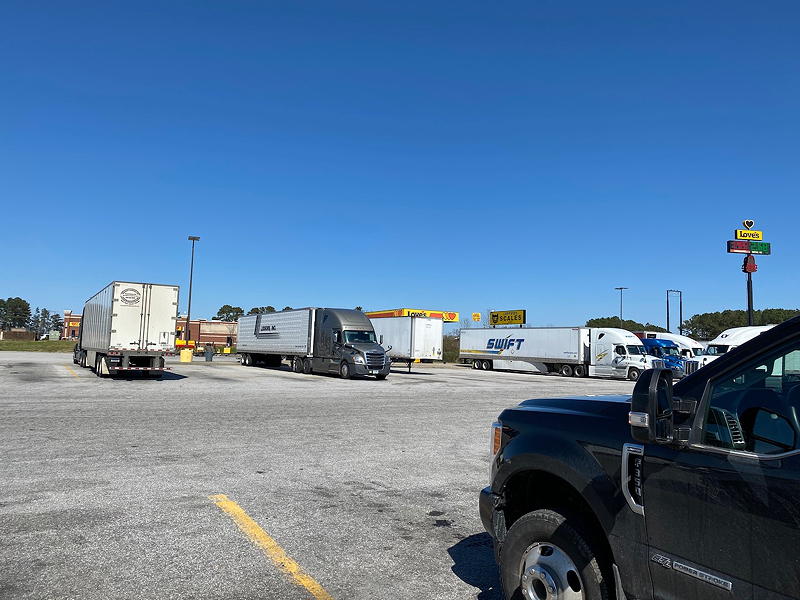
(313, 340)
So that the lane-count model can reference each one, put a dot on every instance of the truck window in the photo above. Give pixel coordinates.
(620, 350)
(756, 408)
(359, 337)
(636, 350)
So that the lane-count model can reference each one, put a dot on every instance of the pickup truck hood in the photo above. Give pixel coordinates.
(606, 406)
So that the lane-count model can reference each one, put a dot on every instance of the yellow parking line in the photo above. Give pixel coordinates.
(269, 546)
(71, 372)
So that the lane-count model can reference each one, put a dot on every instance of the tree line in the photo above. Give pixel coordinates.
(16, 313)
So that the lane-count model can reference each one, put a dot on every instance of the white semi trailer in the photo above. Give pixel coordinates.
(409, 339)
(570, 351)
(127, 327)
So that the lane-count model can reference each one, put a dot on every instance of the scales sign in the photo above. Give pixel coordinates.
(507, 317)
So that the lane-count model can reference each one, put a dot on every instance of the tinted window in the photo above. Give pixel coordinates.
(755, 408)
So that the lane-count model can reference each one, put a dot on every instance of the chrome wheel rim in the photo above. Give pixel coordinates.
(548, 573)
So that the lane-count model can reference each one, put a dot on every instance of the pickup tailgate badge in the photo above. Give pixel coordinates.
(680, 567)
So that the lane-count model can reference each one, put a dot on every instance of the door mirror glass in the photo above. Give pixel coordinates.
(651, 417)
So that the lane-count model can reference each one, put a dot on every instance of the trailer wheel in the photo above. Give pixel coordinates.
(486, 365)
(633, 374)
(297, 364)
(580, 371)
(98, 366)
(82, 360)
(245, 361)
(566, 370)
(307, 366)
(476, 364)
(344, 370)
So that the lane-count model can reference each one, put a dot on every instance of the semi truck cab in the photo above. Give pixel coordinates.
(668, 352)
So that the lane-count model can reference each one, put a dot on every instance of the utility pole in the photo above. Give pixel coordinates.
(621, 289)
(186, 331)
(680, 313)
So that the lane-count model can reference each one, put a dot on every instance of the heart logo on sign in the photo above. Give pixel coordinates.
(748, 223)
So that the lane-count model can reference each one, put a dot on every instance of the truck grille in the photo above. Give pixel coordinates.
(691, 366)
(374, 360)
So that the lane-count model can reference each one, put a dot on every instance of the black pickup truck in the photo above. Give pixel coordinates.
(683, 493)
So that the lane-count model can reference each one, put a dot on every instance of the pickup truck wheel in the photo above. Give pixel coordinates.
(633, 374)
(545, 557)
(297, 364)
(344, 370)
(566, 370)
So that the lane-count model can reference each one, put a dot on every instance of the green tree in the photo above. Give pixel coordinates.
(707, 326)
(33, 323)
(361, 308)
(450, 347)
(624, 324)
(17, 313)
(2, 314)
(227, 312)
(56, 323)
(257, 310)
(287, 308)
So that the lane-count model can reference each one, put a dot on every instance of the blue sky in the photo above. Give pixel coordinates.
(433, 155)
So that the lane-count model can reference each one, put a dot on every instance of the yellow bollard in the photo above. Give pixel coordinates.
(186, 356)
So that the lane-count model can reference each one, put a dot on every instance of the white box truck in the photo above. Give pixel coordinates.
(570, 351)
(409, 339)
(127, 327)
(314, 340)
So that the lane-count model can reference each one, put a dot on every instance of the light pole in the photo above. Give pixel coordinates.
(621, 289)
(680, 309)
(193, 239)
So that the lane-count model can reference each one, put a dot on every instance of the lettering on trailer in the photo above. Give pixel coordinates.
(267, 330)
(130, 296)
(504, 343)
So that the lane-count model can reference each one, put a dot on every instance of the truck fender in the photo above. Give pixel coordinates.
(565, 459)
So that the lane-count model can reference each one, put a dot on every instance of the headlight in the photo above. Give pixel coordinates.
(358, 359)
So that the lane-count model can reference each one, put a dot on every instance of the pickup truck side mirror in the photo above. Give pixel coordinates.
(651, 416)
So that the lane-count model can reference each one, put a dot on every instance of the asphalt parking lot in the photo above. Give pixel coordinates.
(369, 487)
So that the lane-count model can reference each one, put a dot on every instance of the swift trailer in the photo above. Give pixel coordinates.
(314, 340)
(570, 351)
(128, 327)
(409, 339)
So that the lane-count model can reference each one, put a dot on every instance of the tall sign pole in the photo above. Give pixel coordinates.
(187, 332)
(749, 242)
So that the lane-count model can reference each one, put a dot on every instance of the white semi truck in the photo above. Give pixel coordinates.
(570, 351)
(128, 327)
(314, 340)
(724, 343)
(409, 339)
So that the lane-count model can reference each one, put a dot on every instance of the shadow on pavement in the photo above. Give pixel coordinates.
(473, 563)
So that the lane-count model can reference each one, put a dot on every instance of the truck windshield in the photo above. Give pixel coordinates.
(359, 337)
(636, 350)
(671, 350)
(716, 350)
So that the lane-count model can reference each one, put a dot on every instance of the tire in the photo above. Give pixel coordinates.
(580, 371)
(297, 364)
(566, 370)
(307, 366)
(380, 377)
(97, 366)
(476, 364)
(82, 360)
(555, 552)
(633, 374)
(486, 365)
(243, 360)
(344, 371)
